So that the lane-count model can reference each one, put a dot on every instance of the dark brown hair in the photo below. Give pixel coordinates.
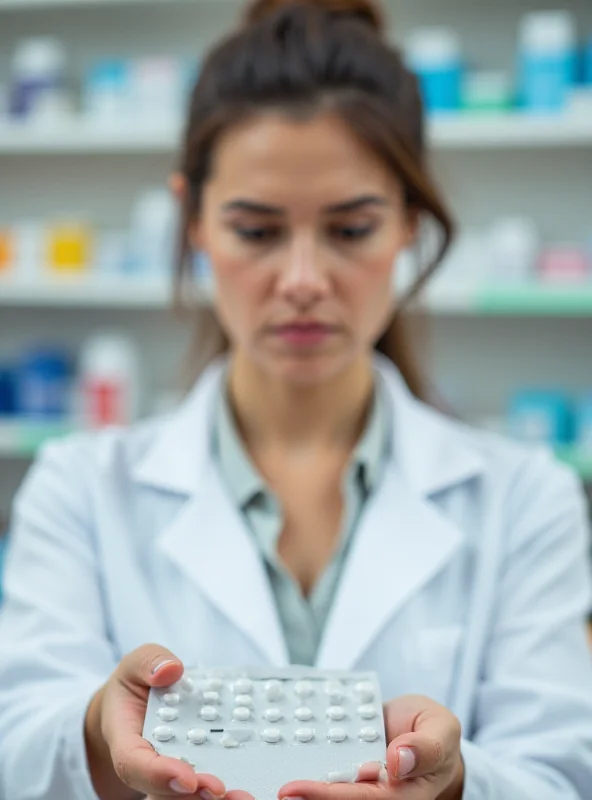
(302, 56)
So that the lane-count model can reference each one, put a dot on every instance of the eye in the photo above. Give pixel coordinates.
(257, 234)
(352, 233)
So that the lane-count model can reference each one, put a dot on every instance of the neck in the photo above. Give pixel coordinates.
(271, 411)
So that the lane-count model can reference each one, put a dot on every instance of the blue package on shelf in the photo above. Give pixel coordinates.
(588, 63)
(43, 384)
(8, 401)
(542, 416)
(435, 55)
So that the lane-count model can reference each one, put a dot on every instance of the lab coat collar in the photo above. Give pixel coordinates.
(432, 452)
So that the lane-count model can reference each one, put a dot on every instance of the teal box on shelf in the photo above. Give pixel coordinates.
(536, 415)
(584, 424)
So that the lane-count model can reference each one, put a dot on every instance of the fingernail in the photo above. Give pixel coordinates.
(205, 794)
(176, 784)
(162, 664)
(407, 762)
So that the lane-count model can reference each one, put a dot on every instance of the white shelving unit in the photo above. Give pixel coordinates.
(485, 342)
(489, 132)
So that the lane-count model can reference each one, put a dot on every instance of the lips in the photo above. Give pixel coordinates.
(304, 333)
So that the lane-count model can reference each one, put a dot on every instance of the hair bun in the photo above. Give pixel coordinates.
(368, 11)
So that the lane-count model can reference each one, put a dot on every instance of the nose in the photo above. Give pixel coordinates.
(303, 280)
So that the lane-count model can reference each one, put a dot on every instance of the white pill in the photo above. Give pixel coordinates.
(215, 684)
(163, 733)
(187, 684)
(336, 712)
(368, 734)
(303, 714)
(335, 692)
(271, 735)
(304, 689)
(365, 691)
(337, 735)
(241, 714)
(244, 700)
(273, 691)
(172, 699)
(167, 714)
(209, 713)
(197, 736)
(367, 711)
(211, 698)
(228, 740)
(243, 686)
(273, 714)
(304, 735)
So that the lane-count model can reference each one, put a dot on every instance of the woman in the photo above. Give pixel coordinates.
(303, 505)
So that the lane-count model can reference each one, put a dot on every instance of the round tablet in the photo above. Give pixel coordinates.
(187, 684)
(365, 691)
(197, 736)
(163, 733)
(229, 741)
(241, 714)
(303, 714)
(271, 735)
(172, 699)
(215, 684)
(243, 686)
(273, 714)
(304, 689)
(337, 735)
(244, 700)
(209, 713)
(368, 734)
(167, 714)
(367, 711)
(335, 692)
(304, 735)
(336, 712)
(273, 691)
(211, 698)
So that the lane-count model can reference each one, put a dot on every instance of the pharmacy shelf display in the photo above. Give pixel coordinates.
(536, 301)
(457, 132)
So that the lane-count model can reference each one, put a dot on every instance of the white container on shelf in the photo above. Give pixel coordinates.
(152, 234)
(513, 247)
(38, 80)
(109, 381)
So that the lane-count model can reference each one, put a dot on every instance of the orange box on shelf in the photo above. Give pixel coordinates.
(7, 250)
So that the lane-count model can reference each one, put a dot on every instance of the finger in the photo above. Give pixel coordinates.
(149, 666)
(238, 794)
(415, 755)
(312, 790)
(139, 766)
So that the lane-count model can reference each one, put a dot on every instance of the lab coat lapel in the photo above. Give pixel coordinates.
(401, 543)
(207, 538)
(403, 538)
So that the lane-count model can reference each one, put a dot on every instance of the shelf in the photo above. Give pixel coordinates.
(454, 133)
(86, 294)
(535, 301)
(21, 440)
(518, 301)
(23, 5)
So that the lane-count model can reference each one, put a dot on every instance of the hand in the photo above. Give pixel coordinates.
(423, 760)
(123, 765)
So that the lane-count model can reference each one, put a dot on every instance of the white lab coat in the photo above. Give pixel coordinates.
(468, 582)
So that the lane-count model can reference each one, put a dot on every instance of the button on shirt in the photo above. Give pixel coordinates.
(303, 619)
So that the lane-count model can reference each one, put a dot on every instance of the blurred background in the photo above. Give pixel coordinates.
(92, 99)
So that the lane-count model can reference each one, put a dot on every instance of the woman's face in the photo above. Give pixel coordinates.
(302, 225)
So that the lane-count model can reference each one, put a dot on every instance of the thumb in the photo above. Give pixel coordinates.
(414, 755)
(151, 666)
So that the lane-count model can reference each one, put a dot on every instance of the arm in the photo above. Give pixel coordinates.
(55, 653)
(533, 724)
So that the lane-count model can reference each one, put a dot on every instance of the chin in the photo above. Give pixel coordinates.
(306, 370)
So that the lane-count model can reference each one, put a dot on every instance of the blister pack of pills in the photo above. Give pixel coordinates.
(257, 729)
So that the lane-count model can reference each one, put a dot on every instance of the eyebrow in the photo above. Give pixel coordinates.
(349, 205)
